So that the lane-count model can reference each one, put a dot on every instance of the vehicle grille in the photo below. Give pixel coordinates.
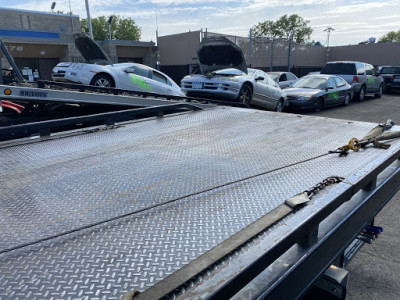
(207, 86)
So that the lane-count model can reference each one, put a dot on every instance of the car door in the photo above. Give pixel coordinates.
(261, 90)
(160, 84)
(290, 78)
(136, 78)
(283, 83)
(372, 80)
(341, 89)
(332, 93)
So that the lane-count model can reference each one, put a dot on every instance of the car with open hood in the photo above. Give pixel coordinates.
(224, 75)
(315, 92)
(98, 70)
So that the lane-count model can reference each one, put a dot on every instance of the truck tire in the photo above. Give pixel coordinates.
(361, 94)
(380, 92)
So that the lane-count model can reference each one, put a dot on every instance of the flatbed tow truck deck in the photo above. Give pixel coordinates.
(154, 206)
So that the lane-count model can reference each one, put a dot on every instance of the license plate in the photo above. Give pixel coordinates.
(197, 85)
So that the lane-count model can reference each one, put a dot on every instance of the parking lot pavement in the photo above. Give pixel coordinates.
(375, 271)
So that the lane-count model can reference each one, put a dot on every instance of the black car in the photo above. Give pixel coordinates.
(315, 92)
(391, 75)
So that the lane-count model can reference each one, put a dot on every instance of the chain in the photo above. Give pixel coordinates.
(323, 184)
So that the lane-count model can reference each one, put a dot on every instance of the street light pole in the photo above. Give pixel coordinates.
(89, 19)
(110, 19)
(328, 30)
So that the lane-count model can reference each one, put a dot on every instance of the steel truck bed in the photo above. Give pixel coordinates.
(98, 214)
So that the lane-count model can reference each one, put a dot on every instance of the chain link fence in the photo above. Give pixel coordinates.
(272, 54)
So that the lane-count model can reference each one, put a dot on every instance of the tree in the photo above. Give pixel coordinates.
(392, 36)
(283, 27)
(121, 28)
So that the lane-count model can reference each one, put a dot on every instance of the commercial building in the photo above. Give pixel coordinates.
(39, 40)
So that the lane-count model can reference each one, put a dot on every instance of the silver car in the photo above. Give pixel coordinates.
(283, 79)
(100, 71)
(363, 77)
(225, 76)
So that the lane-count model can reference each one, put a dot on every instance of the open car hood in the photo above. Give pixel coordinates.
(217, 52)
(90, 50)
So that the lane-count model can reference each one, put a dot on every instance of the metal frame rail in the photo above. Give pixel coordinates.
(44, 128)
(89, 88)
(318, 248)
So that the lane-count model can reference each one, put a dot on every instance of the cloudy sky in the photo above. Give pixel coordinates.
(354, 21)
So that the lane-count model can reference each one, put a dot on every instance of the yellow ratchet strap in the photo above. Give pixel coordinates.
(352, 145)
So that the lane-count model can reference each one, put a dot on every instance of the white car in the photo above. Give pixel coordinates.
(224, 75)
(127, 76)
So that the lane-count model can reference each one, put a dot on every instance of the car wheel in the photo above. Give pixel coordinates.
(319, 105)
(361, 94)
(245, 94)
(279, 106)
(347, 100)
(380, 92)
(102, 80)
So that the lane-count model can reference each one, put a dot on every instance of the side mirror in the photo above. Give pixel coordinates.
(329, 88)
(129, 70)
(260, 78)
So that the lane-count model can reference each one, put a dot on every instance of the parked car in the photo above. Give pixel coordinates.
(315, 92)
(363, 77)
(224, 76)
(283, 79)
(391, 76)
(99, 71)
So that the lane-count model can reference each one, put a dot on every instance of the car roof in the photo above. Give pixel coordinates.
(345, 62)
(326, 76)
(126, 64)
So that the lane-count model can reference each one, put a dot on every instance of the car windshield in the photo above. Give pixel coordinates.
(390, 70)
(229, 72)
(274, 76)
(339, 68)
(311, 83)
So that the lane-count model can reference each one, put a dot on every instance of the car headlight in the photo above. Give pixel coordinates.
(78, 66)
(232, 79)
(64, 64)
(304, 98)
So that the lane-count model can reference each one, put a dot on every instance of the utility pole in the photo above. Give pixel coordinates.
(272, 54)
(157, 45)
(328, 30)
(89, 20)
(251, 46)
(110, 19)
(290, 50)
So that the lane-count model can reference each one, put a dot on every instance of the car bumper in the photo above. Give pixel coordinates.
(301, 104)
(392, 85)
(66, 76)
(222, 90)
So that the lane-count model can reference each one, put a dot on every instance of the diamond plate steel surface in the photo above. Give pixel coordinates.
(196, 162)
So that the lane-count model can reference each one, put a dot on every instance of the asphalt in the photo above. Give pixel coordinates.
(374, 273)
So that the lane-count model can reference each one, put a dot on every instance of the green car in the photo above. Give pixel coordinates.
(315, 92)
